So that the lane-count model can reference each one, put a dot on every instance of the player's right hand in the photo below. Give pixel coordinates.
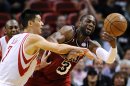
(73, 54)
(107, 37)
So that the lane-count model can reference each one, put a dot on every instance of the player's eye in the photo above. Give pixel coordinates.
(11, 27)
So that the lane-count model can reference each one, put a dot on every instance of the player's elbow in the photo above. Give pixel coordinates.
(110, 60)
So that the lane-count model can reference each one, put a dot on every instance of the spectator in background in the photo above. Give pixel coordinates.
(92, 78)
(61, 21)
(119, 79)
(78, 73)
(110, 69)
(4, 6)
(124, 66)
(17, 5)
(103, 80)
(127, 53)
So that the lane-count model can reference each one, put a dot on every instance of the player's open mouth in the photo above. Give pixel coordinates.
(88, 29)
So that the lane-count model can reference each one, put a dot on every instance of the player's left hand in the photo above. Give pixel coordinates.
(44, 62)
(73, 54)
(111, 39)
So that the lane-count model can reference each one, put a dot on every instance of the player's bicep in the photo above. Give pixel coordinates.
(46, 45)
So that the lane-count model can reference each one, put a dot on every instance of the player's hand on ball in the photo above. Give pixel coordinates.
(111, 39)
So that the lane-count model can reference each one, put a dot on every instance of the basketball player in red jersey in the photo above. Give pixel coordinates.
(20, 58)
(58, 72)
(12, 28)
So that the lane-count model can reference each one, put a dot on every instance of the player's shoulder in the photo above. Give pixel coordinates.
(35, 37)
(67, 27)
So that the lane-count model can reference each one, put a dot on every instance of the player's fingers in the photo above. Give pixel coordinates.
(48, 54)
(106, 36)
(49, 63)
(44, 54)
(109, 36)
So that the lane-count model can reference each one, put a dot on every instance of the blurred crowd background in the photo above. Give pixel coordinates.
(57, 13)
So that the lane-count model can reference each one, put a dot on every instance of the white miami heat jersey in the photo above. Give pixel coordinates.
(16, 66)
(3, 44)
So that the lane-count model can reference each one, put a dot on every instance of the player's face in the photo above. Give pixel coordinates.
(87, 25)
(12, 28)
(37, 24)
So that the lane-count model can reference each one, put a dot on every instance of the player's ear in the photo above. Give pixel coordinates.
(30, 23)
(79, 23)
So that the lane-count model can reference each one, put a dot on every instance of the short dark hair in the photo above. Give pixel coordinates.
(28, 15)
(82, 17)
(86, 15)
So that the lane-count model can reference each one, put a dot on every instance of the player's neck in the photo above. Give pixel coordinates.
(28, 30)
(80, 37)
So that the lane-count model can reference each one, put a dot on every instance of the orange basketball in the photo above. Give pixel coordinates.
(115, 24)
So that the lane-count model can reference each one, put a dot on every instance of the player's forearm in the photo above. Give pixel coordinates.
(108, 57)
(64, 48)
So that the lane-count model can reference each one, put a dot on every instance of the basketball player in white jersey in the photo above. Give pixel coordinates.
(19, 60)
(12, 28)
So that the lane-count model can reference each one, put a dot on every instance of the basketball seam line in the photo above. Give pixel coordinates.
(109, 21)
(115, 26)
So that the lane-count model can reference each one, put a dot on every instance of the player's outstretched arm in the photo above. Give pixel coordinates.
(54, 47)
(108, 57)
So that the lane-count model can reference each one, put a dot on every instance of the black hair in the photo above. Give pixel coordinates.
(86, 15)
(82, 17)
(124, 74)
(91, 71)
(28, 15)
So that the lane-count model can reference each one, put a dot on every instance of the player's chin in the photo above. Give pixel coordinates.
(14, 34)
(89, 33)
(39, 32)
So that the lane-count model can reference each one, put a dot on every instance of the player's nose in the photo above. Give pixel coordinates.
(42, 23)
